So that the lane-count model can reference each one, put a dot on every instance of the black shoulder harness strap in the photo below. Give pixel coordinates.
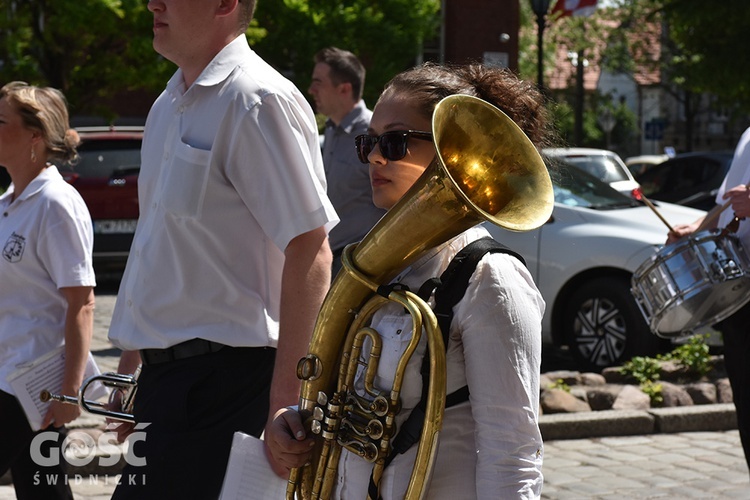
(452, 284)
(449, 290)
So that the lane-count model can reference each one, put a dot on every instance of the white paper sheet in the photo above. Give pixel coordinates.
(249, 475)
(46, 372)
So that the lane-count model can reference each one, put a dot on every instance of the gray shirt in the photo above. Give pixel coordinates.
(349, 180)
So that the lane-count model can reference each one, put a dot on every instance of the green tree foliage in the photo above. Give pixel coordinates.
(387, 35)
(696, 45)
(709, 46)
(97, 50)
(92, 50)
(577, 36)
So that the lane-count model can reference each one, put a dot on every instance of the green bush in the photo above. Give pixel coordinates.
(693, 355)
(653, 390)
(560, 384)
(642, 368)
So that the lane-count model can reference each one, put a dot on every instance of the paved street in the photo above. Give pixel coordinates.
(706, 465)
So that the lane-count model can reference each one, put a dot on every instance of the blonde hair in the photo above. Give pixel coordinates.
(44, 109)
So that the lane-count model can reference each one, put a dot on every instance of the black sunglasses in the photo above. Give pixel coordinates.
(392, 144)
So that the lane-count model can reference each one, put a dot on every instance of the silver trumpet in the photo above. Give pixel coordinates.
(127, 385)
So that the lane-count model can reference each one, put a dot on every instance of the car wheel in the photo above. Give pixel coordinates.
(604, 327)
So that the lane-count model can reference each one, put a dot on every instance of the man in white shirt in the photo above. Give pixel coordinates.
(230, 261)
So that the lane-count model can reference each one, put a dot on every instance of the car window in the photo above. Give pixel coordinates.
(655, 180)
(576, 188)
(105, 158)
(604, 167)
(678, 175)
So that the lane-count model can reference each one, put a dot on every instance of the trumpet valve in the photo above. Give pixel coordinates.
(326, 422)
(375, 429)
(380, 406)
(309, 368)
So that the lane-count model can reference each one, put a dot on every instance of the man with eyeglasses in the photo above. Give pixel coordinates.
(337, 83)
(230, 261)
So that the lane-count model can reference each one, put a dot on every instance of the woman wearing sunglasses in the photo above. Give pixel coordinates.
(490, 445)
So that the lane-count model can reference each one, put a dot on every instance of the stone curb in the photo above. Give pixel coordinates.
(584, 425)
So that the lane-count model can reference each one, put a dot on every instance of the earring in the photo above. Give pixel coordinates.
(33, 155)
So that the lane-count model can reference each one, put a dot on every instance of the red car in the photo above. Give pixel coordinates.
(106, 175)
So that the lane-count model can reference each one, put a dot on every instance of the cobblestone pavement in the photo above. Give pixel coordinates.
(706, 465)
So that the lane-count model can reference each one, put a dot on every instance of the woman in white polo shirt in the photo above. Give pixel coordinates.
(46, 274)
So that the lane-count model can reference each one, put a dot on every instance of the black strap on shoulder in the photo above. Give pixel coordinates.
(449, 289)
(455, 279)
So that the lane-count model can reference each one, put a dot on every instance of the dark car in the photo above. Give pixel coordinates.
(690, 179)
(106, 175)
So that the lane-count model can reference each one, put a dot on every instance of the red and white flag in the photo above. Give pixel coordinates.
(582, 8)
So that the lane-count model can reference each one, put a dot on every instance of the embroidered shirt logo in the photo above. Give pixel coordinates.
(13, 249)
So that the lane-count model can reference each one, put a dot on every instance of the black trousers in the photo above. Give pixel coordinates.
(31, 480)
(736, 334)
(191, 409)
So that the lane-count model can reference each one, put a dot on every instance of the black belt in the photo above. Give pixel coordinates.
(187, 349)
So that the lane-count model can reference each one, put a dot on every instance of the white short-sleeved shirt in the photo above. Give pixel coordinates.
(231, 172)
(739, 173)
(46, 240)
(491, 446)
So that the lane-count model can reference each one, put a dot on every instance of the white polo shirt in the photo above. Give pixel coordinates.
(231, 172)
(46, 240)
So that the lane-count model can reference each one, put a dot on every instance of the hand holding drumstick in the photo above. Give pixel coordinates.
(738, 198)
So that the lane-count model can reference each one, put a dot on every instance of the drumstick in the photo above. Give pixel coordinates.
(650, 205)
(712, 215)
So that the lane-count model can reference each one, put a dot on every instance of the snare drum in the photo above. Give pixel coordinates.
(698, 281)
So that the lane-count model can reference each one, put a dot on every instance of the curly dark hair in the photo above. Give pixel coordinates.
(428, 84)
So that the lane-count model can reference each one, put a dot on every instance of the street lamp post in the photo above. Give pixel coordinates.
(540, 8)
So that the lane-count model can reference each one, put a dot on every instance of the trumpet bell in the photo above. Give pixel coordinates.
(492, 163)
(486, 169)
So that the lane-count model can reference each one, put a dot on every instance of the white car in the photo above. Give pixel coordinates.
(605, 165)
(583, 259)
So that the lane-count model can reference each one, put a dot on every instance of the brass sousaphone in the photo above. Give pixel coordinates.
(486, 169)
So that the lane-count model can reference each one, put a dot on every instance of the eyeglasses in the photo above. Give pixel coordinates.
(392, 144)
